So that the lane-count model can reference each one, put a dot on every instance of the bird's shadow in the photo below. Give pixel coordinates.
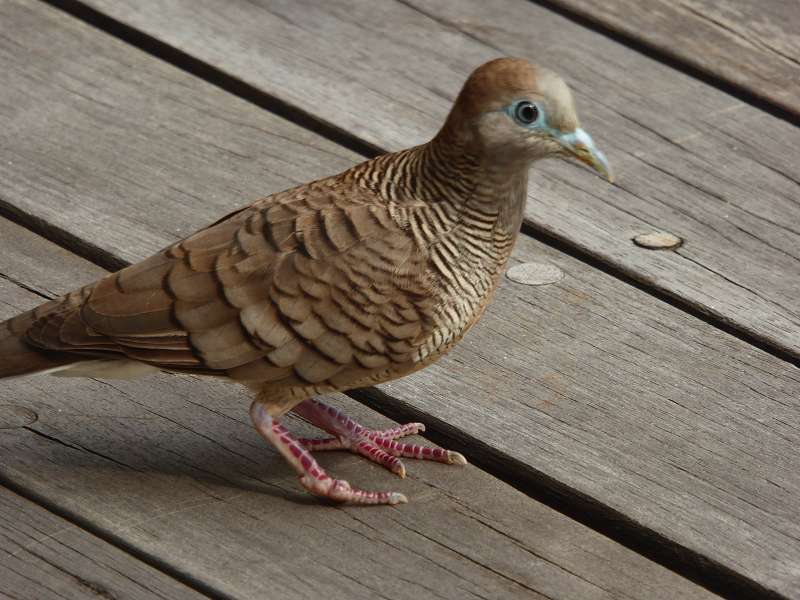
(164, 431)
(98, 453)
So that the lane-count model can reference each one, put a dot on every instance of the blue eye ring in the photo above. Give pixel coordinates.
(525, 113)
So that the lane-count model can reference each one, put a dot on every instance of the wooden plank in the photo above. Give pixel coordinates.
(172, 466)
(571, 433)
(754, 45)
(690, 159)
(230, 152)
(44, 557)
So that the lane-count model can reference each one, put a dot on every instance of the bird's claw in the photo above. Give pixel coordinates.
(339, 490)
(382, 447)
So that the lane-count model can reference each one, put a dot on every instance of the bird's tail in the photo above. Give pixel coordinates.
(19, 358)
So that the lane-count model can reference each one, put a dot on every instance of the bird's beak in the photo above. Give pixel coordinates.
(579, 144)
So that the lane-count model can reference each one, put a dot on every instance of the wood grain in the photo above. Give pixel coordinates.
(690, 159)
(44, 557)
(120, 114)
(755, 45)
(172, 466)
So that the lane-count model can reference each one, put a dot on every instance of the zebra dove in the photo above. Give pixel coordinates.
(344, 282)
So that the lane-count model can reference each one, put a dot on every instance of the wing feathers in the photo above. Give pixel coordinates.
(302, 288)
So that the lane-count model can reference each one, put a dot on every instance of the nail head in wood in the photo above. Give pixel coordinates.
(534, 273)
(657, 240)
(12, 417)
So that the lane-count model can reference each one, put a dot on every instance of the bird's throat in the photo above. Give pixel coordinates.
(452, 175)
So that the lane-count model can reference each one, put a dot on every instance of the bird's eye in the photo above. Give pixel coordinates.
(526, 113)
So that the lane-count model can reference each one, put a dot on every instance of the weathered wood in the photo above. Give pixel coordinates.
(122, 115)
(172, 466)
(754, 45)
(690, 159)
(44, 557)
(570, 400)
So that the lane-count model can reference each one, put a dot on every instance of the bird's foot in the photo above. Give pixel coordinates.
(380, 447)
(312, 476)
(339, 490)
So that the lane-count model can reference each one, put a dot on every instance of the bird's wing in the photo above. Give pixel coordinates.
(304, 287)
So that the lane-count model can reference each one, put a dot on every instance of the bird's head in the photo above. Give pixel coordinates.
(518, 112)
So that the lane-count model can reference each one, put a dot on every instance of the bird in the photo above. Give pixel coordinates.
(344, 282)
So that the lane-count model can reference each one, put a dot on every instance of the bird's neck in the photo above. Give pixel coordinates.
(452, 173)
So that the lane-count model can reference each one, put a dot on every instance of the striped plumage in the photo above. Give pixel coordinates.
(449, 205)
(343, 282)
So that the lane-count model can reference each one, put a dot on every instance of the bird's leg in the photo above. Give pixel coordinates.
(381, 447)
(312, 476)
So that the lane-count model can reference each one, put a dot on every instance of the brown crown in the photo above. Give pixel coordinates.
(496, 84)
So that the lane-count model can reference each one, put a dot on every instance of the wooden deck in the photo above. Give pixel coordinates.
(633, 429)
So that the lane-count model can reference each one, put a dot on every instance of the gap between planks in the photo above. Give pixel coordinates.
(233, 85)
